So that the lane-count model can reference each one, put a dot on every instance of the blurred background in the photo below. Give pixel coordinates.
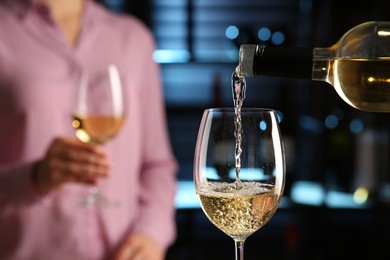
(337, 197)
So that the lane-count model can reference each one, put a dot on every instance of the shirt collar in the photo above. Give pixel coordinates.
(22, 7)
(94, 13)
(19, 7)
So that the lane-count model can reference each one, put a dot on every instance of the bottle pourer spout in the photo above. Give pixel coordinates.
(247, 54)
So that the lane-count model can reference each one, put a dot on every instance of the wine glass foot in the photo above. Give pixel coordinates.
(95, 198)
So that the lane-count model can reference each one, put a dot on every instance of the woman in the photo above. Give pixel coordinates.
(44, 170)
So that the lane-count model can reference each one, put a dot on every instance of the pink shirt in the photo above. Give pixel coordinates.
(37, 84)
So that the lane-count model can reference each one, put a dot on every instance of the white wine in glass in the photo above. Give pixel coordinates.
(239, 170)
(99, 114)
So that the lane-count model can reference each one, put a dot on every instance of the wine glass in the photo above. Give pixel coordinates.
(239, 170)
(99, 114)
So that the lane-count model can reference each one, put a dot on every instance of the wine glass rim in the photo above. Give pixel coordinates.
(243, 109)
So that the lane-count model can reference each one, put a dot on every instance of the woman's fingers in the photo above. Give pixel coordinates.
(69, 160)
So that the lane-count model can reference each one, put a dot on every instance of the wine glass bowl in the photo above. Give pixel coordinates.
(239, 170)
(99, 113)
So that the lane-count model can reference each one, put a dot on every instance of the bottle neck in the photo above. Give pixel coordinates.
(321, 58)
(291, 62)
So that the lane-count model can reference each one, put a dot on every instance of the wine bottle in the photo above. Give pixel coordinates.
(357, 66)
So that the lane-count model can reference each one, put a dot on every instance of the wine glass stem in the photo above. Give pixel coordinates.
(239, 250)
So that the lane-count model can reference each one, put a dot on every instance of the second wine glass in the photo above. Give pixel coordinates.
(99, 115)
(239, 170)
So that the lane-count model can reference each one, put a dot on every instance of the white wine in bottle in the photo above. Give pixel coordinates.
(357, 66)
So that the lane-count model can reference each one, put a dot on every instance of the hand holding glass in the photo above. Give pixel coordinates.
(239, 170)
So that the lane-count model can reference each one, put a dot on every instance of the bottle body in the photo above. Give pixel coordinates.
(357, 66)
(362, 83)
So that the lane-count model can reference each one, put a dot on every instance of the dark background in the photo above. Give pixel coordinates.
(326, 161)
